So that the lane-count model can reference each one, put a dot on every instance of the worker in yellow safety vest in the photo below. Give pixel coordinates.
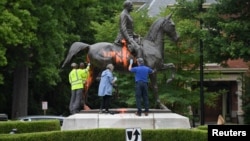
(76, 82)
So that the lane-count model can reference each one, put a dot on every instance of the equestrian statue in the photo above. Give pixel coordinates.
(152, 46)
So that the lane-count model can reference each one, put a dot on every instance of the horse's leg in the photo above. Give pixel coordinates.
(85, 96)
(153, 79)
(170, 66)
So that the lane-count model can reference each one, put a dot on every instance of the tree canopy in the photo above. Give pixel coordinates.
(228, 25)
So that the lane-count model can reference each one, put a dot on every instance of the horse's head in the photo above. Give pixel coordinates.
(169, 28)
(160, 27)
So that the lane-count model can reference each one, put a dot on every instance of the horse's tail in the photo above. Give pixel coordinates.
(74, 49)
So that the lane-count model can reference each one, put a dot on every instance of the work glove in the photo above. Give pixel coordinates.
(115, 78)
(131, 61)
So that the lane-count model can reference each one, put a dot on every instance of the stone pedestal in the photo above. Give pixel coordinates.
(125, 118)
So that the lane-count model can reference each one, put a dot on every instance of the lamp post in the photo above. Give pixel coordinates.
(201, 72)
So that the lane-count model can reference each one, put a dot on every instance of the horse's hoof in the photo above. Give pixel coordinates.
(164, 107)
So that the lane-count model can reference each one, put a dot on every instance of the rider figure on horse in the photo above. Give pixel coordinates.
(126, 32)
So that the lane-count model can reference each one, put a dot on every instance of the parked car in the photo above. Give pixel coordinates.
(42, 117)
(3, 117)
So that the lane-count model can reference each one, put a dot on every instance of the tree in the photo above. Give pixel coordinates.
(35, 36)
(35, 48)
(18, 32)
(228, 23)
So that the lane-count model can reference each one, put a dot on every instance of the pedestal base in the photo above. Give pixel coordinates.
(125, 118)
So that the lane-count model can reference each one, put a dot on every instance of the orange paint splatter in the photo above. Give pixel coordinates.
(125, 53)
(121, 56)
(122, 110)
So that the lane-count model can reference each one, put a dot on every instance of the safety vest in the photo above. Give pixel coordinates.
(75, 79)
(84, 73)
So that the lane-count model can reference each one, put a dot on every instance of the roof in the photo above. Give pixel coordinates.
(239, 63)
(155, 6)
(233, 66)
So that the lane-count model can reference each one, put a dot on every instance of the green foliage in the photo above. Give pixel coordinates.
(202, 127)
(17, 28)
(3, 62)
(228, 26)
(34, 35)
(142, 22)
(107, 31)
(29, 126)
(110, 135)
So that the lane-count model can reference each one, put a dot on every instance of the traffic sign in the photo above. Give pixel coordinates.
(133, 134)
(44, 105)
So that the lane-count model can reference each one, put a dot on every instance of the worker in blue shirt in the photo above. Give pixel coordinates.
(141, 88)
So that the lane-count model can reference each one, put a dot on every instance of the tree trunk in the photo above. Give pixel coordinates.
(20, 92)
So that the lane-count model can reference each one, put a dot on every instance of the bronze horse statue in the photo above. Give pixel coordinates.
(102, 53)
